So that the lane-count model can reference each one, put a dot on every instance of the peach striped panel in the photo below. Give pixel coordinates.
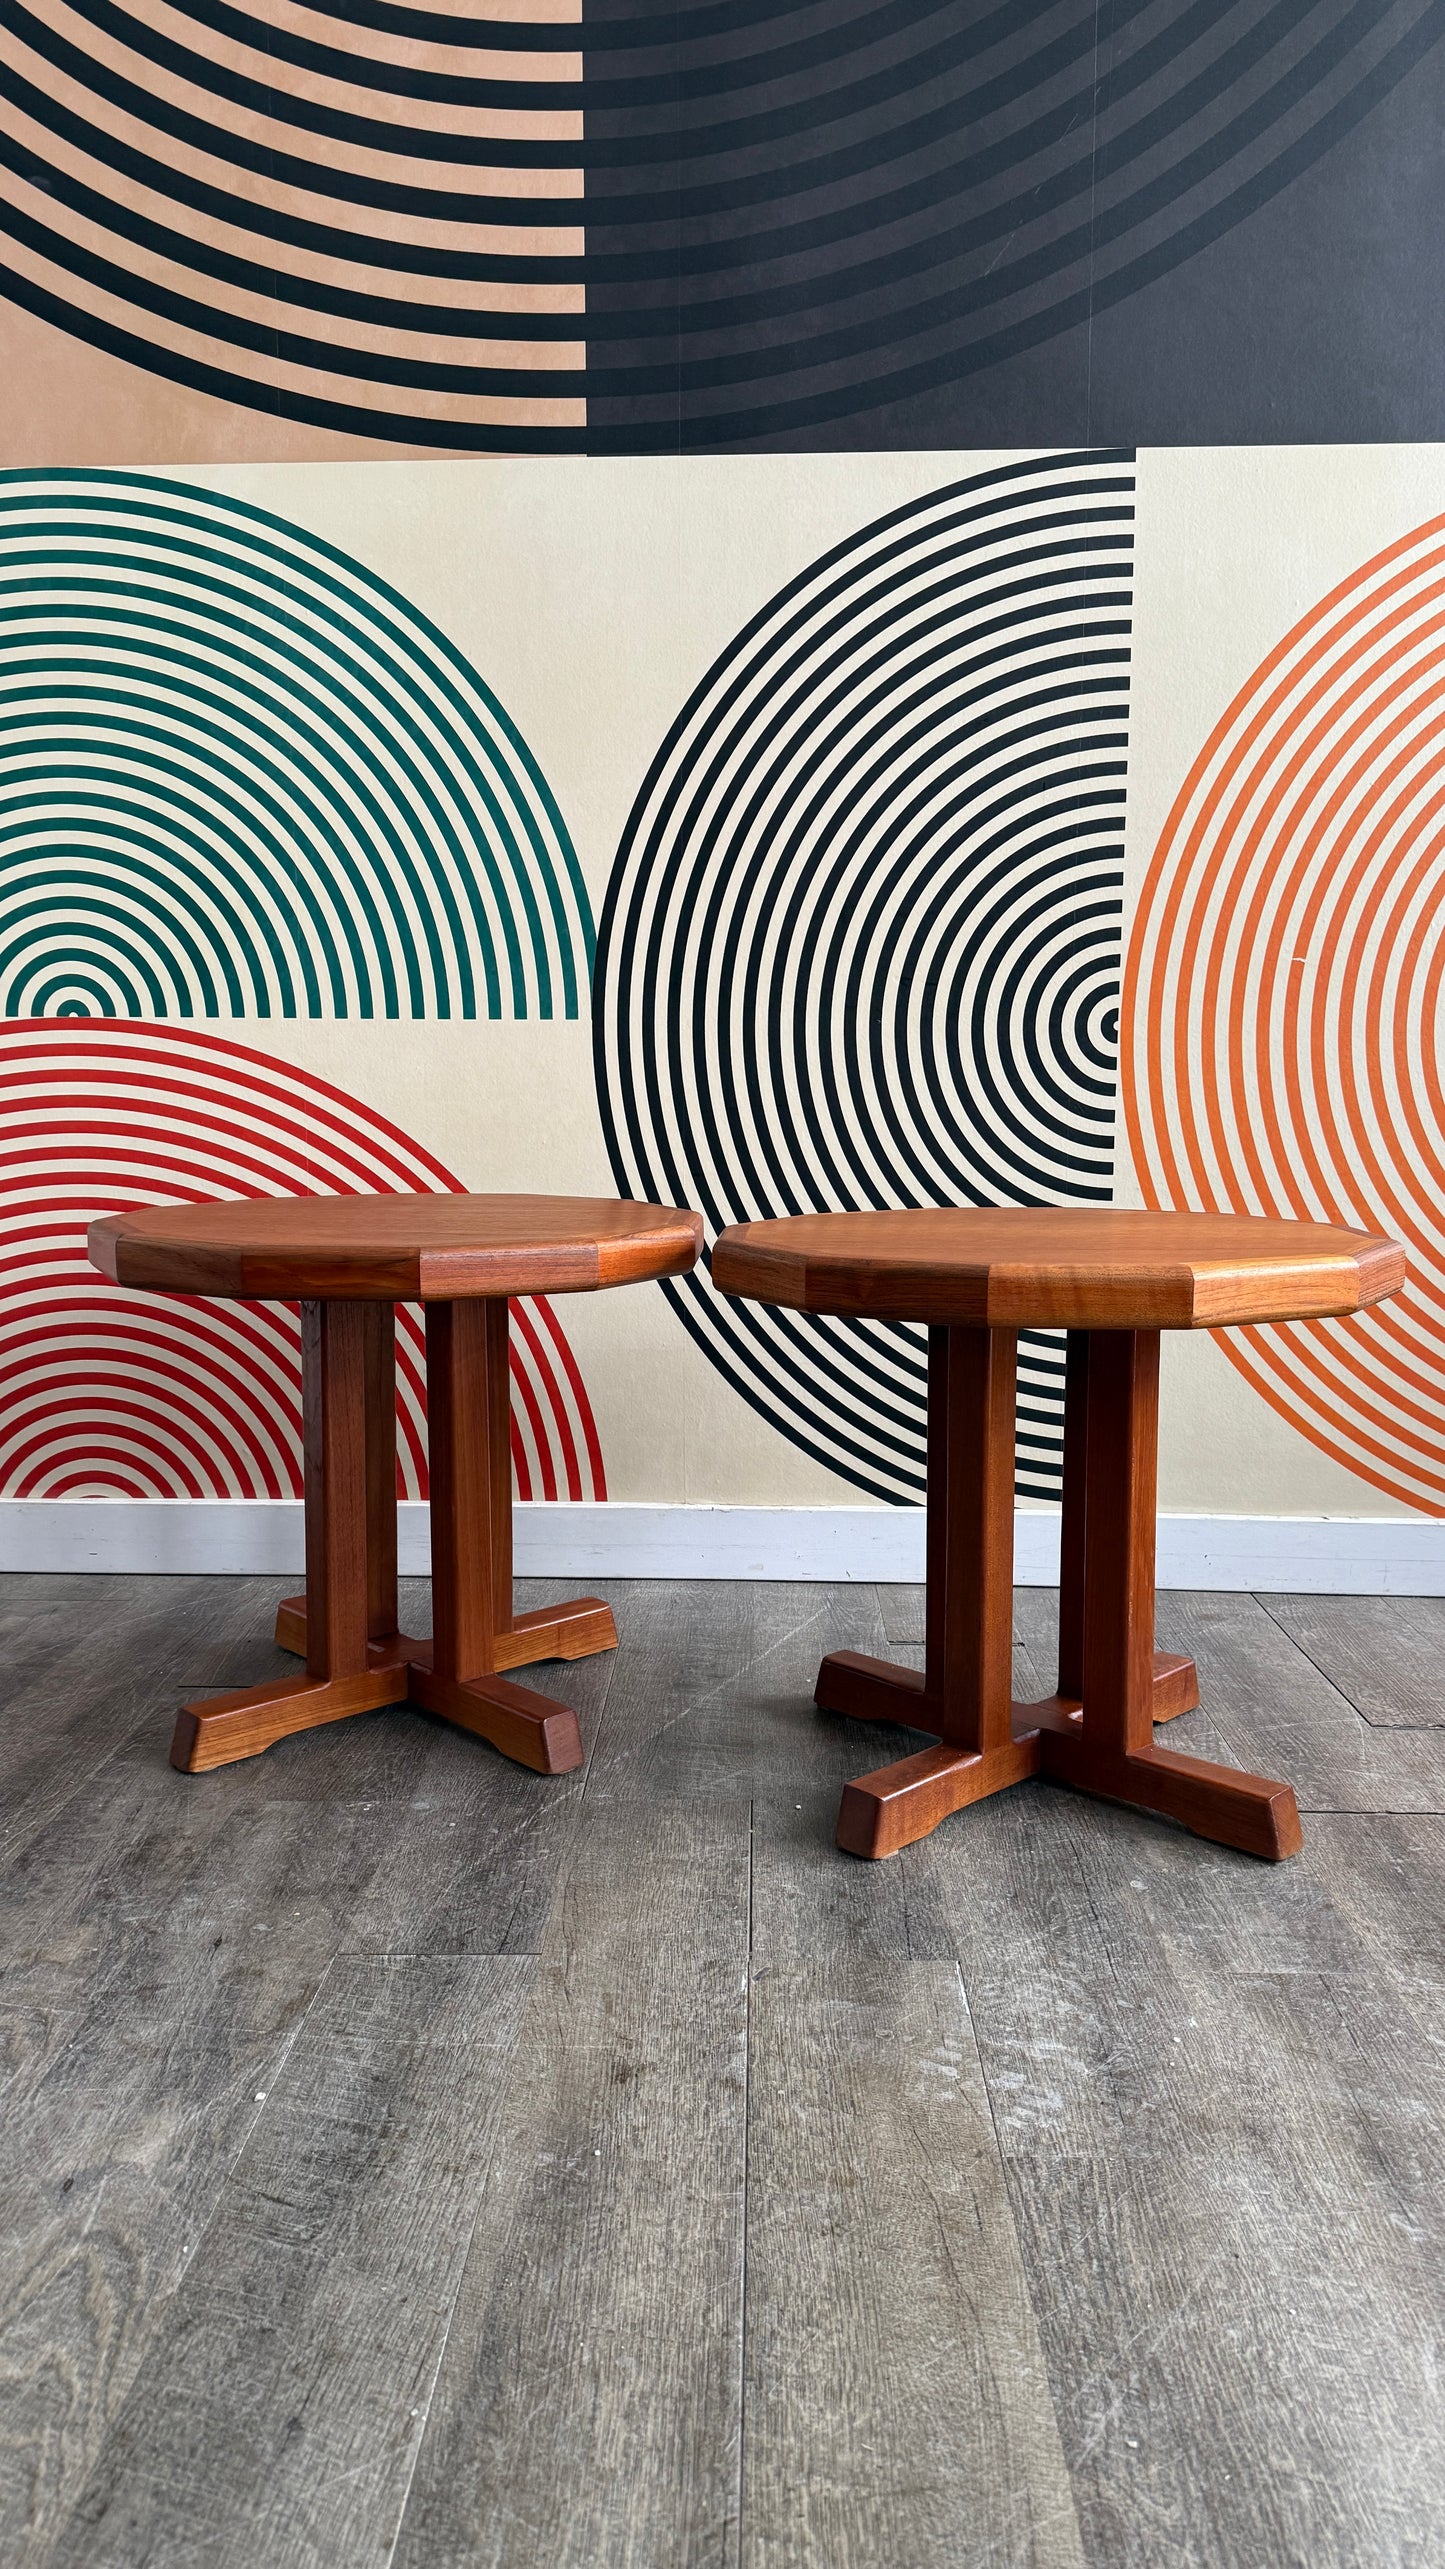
(373, 233)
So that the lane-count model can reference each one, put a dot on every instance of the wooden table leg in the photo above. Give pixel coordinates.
(1107, 1745)
(476, 1633)
(343, 1675)
(1176, 1680)
(963, 1693)
(379, 1400)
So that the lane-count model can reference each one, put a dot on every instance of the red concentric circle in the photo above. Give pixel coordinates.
(105, 1393)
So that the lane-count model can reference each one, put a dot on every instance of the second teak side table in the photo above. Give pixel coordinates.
(1113, 1279)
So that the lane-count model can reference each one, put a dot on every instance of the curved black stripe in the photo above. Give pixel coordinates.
(683, 198)
(687, 71)
(779, 417)
(309, 292)
(825, 99)
(355, 70)
(164, 179)
(861, 215)
(804, 319)
(820, 963)
(152, 107)
(765, 669)
(880, 558)
(1000, 280)
(705, 846)
(973, 161)
(320, 412)
(809, 294)
(706, 19)
(826, 887)
(661, 35)
(959, 120)
(383, 195)
(826, 103)
(878, 786)
(281, 106)
(322, 356)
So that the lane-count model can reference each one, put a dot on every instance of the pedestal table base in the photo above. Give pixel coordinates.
(1096, 1732)
(345, 1624)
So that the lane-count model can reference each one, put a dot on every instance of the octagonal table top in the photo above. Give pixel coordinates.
(1081, 1267)
(396, 1248)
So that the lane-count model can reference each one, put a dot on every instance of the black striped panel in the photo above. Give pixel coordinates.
(794, 220)
(861, 942)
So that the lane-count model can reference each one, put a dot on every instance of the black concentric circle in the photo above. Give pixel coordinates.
(861, 943)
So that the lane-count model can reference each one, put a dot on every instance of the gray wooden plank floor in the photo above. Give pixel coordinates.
(405, 2159)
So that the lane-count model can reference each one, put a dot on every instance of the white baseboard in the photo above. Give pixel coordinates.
(1343, 1556)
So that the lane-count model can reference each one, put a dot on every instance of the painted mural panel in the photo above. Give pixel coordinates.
(582, 226)
(878, 772)
(693, 601)
(861, 942)
(1284, 996)
(242, 777)
(314, 213)
(108, 1393)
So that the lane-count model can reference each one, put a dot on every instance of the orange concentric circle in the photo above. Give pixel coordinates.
(1283, 1023)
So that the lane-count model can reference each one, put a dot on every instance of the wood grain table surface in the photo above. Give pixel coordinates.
(1077, 1267)
(394, 1248)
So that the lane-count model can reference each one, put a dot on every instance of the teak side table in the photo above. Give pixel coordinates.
(1113, 1279)
(348, 1260)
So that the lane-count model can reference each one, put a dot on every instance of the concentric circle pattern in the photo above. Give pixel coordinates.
(1285, 1029)
(111, 1394)
(861, 943)
(241, 777)
(373, 218)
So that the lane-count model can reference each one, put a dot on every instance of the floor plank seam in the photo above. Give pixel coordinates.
(1332, 1682)
(444, 2342)
(735, 1677)
(747, 2198)
(1014, 2207)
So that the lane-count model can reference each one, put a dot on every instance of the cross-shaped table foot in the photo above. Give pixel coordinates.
(1096, 1732)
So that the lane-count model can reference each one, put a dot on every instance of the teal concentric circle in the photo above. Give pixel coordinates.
(242, 777)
